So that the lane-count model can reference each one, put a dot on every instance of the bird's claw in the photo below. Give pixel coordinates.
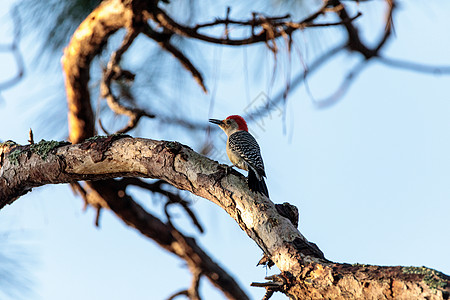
(227, 169)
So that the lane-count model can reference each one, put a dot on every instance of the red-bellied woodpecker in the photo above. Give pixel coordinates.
(243, 151)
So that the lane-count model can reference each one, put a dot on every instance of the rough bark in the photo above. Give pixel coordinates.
(305, 273)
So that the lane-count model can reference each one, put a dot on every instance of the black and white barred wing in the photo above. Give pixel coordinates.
(245, 144)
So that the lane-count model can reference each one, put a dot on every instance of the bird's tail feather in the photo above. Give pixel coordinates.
(256, 185)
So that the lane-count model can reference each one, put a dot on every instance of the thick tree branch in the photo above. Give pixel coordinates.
(104, 158)
(305, 272)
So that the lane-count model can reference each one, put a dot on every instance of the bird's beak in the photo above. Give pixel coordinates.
(215, 121)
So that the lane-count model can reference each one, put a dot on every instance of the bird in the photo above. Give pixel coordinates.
(244, 152)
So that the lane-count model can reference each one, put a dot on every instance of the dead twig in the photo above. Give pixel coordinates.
(112, 72)
(192, 292)
(30, 137)
(172, 198)
(253, 22)
(269, 27)
(163, 41)
(102, 127)
(89, 198)
(276, 284)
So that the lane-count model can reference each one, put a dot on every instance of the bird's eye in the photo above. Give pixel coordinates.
(228, 122)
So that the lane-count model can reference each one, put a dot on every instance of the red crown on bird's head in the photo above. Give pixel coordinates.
(240, 121)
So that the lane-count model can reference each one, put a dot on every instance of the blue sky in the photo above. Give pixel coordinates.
(369, 175)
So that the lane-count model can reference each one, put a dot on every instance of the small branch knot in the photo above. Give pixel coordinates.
(288, 211)
(173, 147)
